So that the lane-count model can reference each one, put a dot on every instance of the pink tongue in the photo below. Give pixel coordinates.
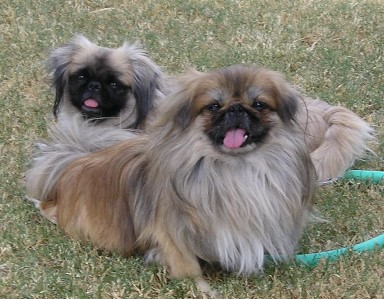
(91, 103)
(234, 138)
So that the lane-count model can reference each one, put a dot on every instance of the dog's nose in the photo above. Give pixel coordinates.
(236, 109)
(94, 85)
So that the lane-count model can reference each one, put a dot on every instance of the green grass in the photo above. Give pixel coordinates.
(331, 49)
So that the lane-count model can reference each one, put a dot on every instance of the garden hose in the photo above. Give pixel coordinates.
(377, 243)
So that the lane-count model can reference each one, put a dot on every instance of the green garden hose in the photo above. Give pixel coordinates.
(377, 243)
(365, 175)
(312, 259)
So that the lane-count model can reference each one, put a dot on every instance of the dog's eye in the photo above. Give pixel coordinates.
(116, 85)
(80, 77)
(214, 107)
(260, 106)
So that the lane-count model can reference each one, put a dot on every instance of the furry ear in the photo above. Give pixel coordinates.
(59, 82)
(57, 66)
(144, 89)
(288, 105)
(287, 97)
(183, 108)
(184, 115)
(148, 81)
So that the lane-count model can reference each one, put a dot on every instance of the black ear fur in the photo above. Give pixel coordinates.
(57, 65)
(183, 117)
(287, 97)
(288, 105)
(144, 89)
(59, 82)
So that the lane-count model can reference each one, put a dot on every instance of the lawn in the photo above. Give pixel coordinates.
(331, 49)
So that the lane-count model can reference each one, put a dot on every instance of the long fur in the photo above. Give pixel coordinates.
(129, 63)
(336, 137)
(74, 135)
(72, 138)
(179, 191)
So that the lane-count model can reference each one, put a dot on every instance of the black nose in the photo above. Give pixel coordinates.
(236, 109)
(94, 85)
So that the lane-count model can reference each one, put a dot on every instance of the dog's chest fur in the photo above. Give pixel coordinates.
(234, 209)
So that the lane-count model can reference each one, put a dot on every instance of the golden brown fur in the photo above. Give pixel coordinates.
(222, 175)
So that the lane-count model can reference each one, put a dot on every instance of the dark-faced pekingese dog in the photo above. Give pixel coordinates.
(113, 87)
(223, 175)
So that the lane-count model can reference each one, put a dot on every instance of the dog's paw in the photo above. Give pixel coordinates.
(153, 256)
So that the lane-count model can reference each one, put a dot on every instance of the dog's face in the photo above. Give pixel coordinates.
(104, 83)
(97, 90)
(236, 106)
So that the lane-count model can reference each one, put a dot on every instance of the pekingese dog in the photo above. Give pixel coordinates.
(112, 87)
(223, 174)
(121, 87)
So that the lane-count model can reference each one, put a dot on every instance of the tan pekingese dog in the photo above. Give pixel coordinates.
(222, 175)
(113, 87)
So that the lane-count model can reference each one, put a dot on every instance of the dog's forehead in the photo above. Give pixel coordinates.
(86, 56)
(102, 61)
(241, 80)
(121, 61)
(224, 94)
(236, 85)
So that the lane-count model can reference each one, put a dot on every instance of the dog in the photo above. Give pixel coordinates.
(223, 175)
(111, 86)
(95, 87)
(121, 87)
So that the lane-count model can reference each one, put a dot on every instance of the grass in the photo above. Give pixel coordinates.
(332, 49)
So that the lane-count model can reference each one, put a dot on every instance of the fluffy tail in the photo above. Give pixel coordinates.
(70, 140)
(344, 140)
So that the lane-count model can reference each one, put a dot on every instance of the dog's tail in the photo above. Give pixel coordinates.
(344, 140)
(71, 139)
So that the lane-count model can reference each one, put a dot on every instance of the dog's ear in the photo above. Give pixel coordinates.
(148, 83)
(288, 104)
(180, 105)
(57, 67)
(59, 81)
(184, 115)
(286, 97)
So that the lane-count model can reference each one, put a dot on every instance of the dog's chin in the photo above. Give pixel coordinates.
(90, 113)
(244, 149)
